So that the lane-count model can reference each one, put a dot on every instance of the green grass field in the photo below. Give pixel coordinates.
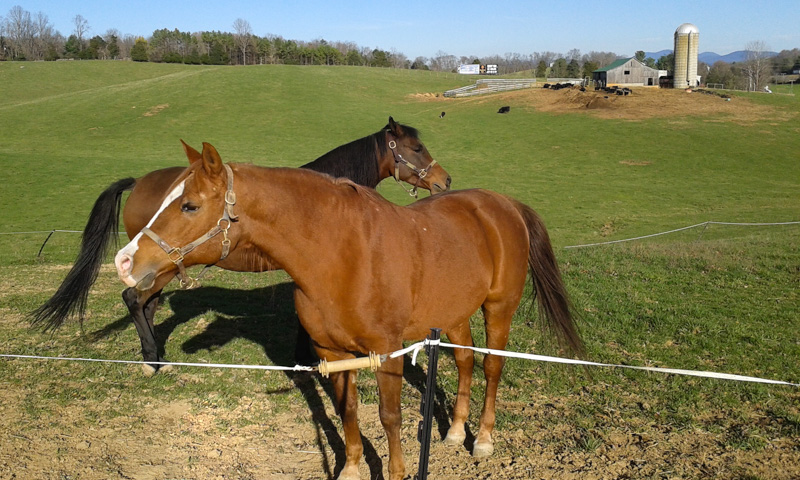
(722, 298)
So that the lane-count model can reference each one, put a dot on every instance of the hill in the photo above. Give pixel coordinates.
(711, 58)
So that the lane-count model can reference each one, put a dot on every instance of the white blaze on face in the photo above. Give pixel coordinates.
(124, 258)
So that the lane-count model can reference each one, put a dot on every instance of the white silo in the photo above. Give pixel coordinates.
(686, 51)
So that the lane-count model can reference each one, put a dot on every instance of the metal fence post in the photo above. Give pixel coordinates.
(426, 407)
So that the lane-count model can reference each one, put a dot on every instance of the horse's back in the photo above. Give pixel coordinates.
(477, 251)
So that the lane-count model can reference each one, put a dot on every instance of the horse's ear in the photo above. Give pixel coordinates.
(395, 128)
(192, 154)
(212, 163)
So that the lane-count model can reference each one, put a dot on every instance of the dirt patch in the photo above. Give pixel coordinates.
(153, 111)
(189, 439)
(643, 103)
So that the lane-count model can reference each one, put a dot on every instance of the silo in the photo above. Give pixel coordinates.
(686, 51)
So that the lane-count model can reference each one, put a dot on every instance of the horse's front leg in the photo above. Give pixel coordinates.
(390, 384)
(142, 310)
(344, 387)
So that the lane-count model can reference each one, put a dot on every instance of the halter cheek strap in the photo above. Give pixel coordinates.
(176, 254)
(420, 172)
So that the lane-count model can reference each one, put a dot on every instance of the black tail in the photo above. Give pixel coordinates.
(549, 289)
(72, 295)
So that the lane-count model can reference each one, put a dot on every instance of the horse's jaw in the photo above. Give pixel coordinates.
(146, 283)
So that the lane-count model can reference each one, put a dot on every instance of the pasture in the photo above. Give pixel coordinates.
(721, 298)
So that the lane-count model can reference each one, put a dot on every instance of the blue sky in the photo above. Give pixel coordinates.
(469, 28)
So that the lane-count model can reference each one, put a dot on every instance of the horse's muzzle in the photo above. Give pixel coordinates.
(438, 188)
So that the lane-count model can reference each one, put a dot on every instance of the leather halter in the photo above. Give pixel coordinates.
(420, 172)
(176, 254)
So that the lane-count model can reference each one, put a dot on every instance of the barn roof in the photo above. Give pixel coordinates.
(617, 63)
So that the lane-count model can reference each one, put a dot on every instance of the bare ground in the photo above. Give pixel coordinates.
(643, 103)
(192, 439)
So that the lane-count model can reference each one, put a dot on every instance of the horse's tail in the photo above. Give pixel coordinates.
(548, 287)
(71, 297)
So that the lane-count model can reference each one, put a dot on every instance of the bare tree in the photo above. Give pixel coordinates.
(19, 28)
(757, 65)
(242, 36)
(81, 27)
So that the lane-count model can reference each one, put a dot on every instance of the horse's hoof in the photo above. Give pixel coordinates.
(165, 368)
(481, 450)
(148, 370)
(455, 439)
(349, 473)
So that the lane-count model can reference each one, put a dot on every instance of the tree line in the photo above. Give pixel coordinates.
(24, 36)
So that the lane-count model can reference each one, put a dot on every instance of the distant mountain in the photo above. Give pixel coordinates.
(734, 57)
(711, 58)
(657, 55)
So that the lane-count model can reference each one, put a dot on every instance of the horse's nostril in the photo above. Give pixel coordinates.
(125, 265)
(447, 182)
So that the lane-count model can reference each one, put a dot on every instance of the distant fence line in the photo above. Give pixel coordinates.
(706, 224)
(491, 85)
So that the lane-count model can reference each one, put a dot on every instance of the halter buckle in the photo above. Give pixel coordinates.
(175, 255)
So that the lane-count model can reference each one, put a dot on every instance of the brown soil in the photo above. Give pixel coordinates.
(643, 103)
(184, 440)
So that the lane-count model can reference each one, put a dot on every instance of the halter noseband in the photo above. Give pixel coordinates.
(176, 254)
(420, 172)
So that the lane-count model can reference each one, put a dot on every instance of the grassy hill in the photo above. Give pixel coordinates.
(723, 298)
(71, 128)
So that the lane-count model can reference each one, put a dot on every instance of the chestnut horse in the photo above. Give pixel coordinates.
(369, 274)
(395, 151)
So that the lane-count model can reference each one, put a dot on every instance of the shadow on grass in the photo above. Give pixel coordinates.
(266, 316)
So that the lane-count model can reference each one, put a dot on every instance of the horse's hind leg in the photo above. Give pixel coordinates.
(465, 362)
(498, 323)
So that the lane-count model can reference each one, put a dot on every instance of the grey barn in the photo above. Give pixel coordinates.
(627, 71)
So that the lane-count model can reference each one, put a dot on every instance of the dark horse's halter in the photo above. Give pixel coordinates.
(420, 172)
(176, 254)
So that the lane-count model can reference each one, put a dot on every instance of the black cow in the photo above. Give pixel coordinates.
(505, 109)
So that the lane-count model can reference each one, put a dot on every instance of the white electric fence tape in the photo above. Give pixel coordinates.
(416, 347)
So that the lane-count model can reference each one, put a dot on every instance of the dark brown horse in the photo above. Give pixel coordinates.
(394, 151)
(369, 274)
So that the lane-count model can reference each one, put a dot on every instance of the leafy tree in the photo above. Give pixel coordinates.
(113, 47)
(559, 69)
(72, 47)
(588, 68)
(380, 58)
(573, 69)
(650, 62)
(420, 63)
(666, 62)
(139, 50)
(639, 55)
(96, 49)
(541, 69)
(353, 57)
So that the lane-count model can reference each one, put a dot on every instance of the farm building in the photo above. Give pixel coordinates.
(627, 71)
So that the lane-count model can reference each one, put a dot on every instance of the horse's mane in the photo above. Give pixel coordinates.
(357, 160)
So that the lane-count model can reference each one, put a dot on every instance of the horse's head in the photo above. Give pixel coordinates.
(190, 227)
(412, 162)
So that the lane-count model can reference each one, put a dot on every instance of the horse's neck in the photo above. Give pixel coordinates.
(357, 161)
(297, 217)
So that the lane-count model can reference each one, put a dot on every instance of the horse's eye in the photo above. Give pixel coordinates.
(189, 207)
